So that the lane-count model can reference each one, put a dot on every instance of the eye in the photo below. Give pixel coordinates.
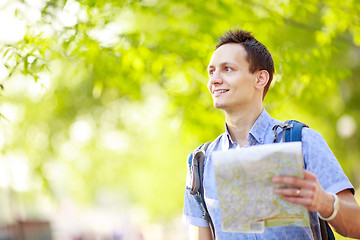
(211, 72)
(228, 69)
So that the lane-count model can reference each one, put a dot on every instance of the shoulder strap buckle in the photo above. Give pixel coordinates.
(291, 131)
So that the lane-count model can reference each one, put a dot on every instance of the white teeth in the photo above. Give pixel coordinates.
(220, 91)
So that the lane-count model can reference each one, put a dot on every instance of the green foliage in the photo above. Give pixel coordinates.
(124, 96)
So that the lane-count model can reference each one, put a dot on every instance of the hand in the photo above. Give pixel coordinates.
(307, 192)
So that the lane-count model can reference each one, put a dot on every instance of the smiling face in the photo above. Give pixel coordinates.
(231, 84)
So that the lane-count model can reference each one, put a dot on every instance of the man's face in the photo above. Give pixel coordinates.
(230, 83)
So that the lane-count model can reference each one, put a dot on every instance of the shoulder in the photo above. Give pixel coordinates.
(313, 142)
(315, 148)
(212, 144)
(312, 137)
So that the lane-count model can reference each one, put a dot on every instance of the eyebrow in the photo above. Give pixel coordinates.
(221, 65)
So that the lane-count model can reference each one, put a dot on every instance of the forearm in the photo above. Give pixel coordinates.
(347, 220)
(199, 233)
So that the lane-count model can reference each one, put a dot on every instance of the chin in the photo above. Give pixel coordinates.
(218, 105)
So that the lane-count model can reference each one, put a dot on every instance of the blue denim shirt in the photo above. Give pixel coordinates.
(318, 159)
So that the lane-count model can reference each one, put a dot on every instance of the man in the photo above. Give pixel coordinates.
(240, 73)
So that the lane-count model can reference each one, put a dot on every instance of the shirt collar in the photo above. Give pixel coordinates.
(256, 134)
(258, 131)
(227, 140)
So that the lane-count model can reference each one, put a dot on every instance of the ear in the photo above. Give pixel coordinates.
(262, 79)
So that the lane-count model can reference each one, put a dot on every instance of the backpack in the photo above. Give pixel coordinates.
(292, 132)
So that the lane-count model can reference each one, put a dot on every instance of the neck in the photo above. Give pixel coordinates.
(240, 122)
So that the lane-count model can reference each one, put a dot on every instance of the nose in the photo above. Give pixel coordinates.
(215, 78)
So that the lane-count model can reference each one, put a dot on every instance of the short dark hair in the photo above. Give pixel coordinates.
(258, 55)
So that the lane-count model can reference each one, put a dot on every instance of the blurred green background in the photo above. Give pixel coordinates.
(101, 101)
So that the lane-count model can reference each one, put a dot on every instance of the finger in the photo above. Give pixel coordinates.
(288, 192)
(309, 183)
(293, 181)
(294, 192)
(309, 175)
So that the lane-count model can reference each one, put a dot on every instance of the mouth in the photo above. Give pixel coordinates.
(219, 92)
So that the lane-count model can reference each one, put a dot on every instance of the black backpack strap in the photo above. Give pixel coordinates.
(292, 133)
(197, 189)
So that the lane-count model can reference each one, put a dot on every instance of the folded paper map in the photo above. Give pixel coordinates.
(243, 179)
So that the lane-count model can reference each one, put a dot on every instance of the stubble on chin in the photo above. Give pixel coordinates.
(218, 105)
